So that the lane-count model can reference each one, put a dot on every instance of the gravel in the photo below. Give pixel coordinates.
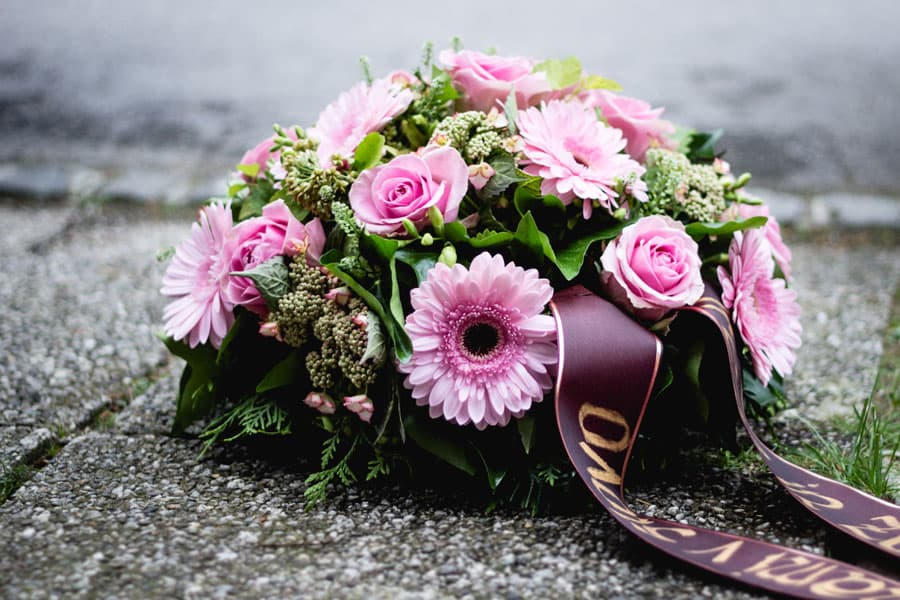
(125, 510)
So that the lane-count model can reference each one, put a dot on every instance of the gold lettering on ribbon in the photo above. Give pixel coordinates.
(605, 472)
(614, 504)
(606, 414)
(811, 499)
(891, 525)
(602, 471)
(849, 586)
(723, 552)
(791, 571)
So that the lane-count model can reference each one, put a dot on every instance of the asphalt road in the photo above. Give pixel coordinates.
(806, 90)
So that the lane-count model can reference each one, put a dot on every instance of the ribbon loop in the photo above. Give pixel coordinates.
(607, 368)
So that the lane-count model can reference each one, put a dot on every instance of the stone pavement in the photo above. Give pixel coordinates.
(125, 510)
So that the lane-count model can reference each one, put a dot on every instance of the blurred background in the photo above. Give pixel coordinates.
(164, 96)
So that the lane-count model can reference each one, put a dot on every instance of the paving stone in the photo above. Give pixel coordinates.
(148, 185)
(845, 290)
(21, 445)
(861, 210)
(139, 516)
(80, 312)
(40, 181)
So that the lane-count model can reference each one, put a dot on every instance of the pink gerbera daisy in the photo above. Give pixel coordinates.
(764, 310)
(197, 279)
(356, 113)
(577, 155)
(481, 345)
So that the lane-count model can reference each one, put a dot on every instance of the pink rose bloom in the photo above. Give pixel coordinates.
(638, 121)
(359, 111)
(652, 268)
(772, 232)
(484, 79)
(276, 233)
(765, 311)
(407, 187)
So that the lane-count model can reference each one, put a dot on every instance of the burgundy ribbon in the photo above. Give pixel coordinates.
(607, 368)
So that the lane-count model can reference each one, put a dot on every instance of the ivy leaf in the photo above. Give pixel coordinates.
(270, 279)
(570, 258)
(505, 174)
(595, 82)
(699, 230)
(282, 374)
(526, 428)
(560, 73)
(368, 153)
(196, 391)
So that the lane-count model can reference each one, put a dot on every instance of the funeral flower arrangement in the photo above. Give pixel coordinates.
(376, 286)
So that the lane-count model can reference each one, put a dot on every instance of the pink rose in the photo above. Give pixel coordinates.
(772, 232)
(639, 122)
(407, 187)
(652, 268)
(484, 79)
(276, 233)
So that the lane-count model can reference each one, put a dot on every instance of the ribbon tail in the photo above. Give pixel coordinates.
(858, 514)
(607, 367)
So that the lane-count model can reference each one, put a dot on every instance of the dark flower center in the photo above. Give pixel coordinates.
(481, 339)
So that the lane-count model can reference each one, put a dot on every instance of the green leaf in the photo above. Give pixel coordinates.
(446, 449)
(375, 348)
(368, 153)
(505, 174)
(684, 135)
(421, 261)
(511, 110)
(561, 73)
(692, 364)
(270, 279)
(595, 82)
(527, 430)
(699, 230)
(413, 134)
(442, 86)
(528, 234)
(196, 392)
(490, 239)
(570, 258)
(251, 170)
(282, 374)
(494, 474)
(244, 319)
(702, 147)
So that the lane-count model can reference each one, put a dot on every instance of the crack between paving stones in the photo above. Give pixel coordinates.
(23, 470)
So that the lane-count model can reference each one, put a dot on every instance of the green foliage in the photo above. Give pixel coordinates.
(869, 459)
(701, 146)
(505, 175)
(700, 230)
(270, 279)
(13, 479)
(317, 483)
(427, 435)
(196, 395)
(763, 401)
(560, 73)
(369, 152)
(255, 415)
(283, 374)
(595, 82)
